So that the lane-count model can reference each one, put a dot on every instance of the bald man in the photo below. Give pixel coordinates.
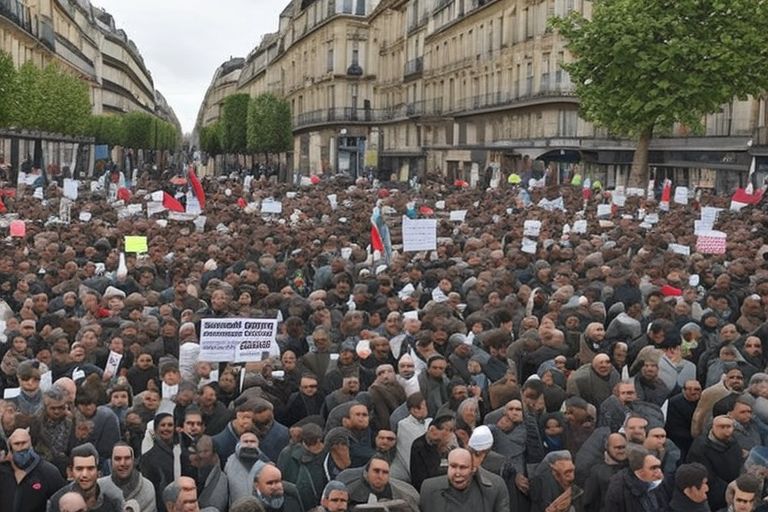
(594, 381)
(27, 478)
(72, 502)
(484, 491)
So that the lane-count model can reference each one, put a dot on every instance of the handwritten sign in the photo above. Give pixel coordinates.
(419, 234)
(137, 244)
(579, 227)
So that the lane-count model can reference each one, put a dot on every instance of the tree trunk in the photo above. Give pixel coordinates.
(638, 175)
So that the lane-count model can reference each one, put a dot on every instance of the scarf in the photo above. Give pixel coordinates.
(130, 485)
(29, 404)
(716, 442)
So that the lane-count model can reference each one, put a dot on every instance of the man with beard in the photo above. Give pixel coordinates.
(386, 395)
(649, 387)
(212, 488)
(239, 464)
(273, 436)
(593, 382)
(26, 479)
(273, 493)
(731, 383)
(614, 460)
(84, 464)
(127, 481)
(347, 365)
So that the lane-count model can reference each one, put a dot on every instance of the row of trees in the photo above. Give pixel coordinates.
(51, 100)
(250, 125)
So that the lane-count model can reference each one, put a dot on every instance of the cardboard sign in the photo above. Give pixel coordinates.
(18, 229)
(137, 244)
(238, 339)
(419, 234)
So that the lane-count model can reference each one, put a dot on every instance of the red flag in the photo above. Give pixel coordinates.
(376, 243)
(666, 192)
(124, 194)
(742, 196)
(197, 187)
(171, 203)
(2, 206)
(241, 202)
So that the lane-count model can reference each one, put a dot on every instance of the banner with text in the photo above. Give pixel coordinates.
(238, 339)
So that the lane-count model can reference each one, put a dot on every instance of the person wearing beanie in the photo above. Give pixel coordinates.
(337, 457)
(690, 493)
(479, 446)
(29, 401)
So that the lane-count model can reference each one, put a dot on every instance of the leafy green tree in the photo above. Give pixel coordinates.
(138, 130)
(642, 65)
(7, 85)
(269, 125)
(27, 97)
(234, 123)
(108, 129)
(210, 139)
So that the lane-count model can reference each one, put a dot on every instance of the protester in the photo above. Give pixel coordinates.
(488, 335)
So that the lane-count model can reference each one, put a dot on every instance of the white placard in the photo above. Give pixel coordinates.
(681, 195)
(529, 246)
(579, 227)
(271, 206)
(113, 362)
(440, 205)
(247, 182)
(346, 252)
(680, 249)
(619, 199)
(290, 195)
(38, 193)
(181, 216)
(70, 189)
(419, 234)
(709, 214)
(158, 195)
(332, 198)
(85, 216)
(635, 191)
(652, 218)
(603, 210)
(238, 339)
(700, 226)
(458, 215)
(135, 209)
(531, 228)
(11, 393)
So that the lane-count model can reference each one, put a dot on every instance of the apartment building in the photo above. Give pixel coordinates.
(224, 84)
(457, 86)
(85, 40)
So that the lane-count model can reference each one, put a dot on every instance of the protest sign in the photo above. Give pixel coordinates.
(137, 244)
(528, 246)
(531, 228)
(458, 215)
(603, 210)
(333, 200)
(113, 363)
(70, 189)
(681, 195)
(18, 229)
(680, 249)
(579, 227)
(700, 226)
(271, 206)
(419, 234)
(238, 339)
(158, 196)
(85, 216)
(711, 242)
(709, 214)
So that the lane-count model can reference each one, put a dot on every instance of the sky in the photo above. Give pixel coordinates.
(183, 42)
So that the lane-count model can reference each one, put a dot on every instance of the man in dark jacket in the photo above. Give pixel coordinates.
(638, 488)
(429, 450)
(679, 415)
(27, 481)
(690, 494)
(302, 465)
(84, 464)
(596, 486)
(307, 401)
(719, 452)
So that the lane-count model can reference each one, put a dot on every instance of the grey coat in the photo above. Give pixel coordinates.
(144, 493)
(487, 493)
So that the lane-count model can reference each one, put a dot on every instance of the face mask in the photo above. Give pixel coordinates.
(24, 458)
(272, 501)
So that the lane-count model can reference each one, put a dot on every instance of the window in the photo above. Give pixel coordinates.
(567, 122)
(360, 8)
(353, 96)
(355, 57)
(346, 7)
(329, 65)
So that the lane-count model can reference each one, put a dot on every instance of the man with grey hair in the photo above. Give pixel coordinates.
(53, 428)
(274, 493)
(335, 498)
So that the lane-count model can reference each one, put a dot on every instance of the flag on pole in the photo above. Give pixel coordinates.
(666, 194)
(380, 239)
(750, 186)
(171, 203)
(586, 189)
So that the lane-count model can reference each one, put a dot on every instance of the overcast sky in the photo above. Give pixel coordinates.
(184, 41)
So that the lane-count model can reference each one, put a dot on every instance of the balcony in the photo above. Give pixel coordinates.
(334, 115)
(469, 105)
(414, 68)
(18, 13)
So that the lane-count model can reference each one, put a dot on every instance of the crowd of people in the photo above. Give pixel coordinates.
(598, 371)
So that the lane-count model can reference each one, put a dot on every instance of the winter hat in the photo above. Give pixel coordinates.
(481, 439)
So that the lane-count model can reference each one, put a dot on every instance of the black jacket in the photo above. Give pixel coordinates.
(157, 466)
(678, 427)
(723, 463)
(41, 482)
(425, 461)
(627, 493)
(682, 503)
